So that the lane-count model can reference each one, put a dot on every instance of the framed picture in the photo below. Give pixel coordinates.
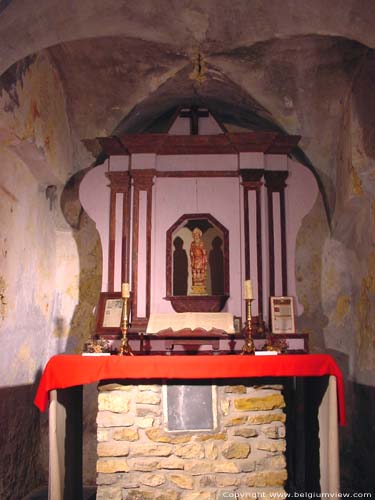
(109, 312)
(282, 315)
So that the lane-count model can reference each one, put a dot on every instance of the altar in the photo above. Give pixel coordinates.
(65, 374)
(184, 222)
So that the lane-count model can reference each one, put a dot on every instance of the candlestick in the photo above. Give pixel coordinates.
(248, 290)
(249, 347)
(125, 291)
(125, 349)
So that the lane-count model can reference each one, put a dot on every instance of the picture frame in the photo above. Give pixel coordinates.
(282, 315)
(109, 313)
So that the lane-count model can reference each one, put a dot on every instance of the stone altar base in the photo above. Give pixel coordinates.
(138, 459)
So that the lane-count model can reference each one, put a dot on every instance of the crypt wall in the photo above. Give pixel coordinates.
(40, 269)
(353, 237)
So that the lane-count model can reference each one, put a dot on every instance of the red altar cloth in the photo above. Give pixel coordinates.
(66, 370)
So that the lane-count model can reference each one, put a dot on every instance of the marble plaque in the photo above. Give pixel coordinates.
(189, 407)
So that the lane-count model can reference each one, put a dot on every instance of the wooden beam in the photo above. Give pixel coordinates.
(226, 143)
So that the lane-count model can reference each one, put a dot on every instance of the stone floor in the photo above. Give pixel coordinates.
(89, 493)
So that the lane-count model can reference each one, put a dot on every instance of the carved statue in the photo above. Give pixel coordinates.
(198, 259)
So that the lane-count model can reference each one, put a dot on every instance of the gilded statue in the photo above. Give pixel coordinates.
(198, 260)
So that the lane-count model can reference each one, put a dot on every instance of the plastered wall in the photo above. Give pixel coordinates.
(36, 244)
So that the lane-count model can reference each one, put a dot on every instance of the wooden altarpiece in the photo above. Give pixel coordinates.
(136, 186)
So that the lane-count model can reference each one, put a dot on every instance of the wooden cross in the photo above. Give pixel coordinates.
(194, 113)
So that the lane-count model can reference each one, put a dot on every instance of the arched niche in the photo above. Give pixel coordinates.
(184, 295)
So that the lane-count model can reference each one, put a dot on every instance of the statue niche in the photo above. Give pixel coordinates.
(197, 264)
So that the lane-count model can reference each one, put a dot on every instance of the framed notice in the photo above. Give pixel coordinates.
(282, 315)
(109, 312)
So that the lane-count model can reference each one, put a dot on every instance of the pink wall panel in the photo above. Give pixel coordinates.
(207, 126)
(118, 241)
(142, 161)
(180, 127)
(253, 249)
(265, 252)
(276, 162)
(252, 160)
(172, 198)
(221, 198)
(277, 243)
(118, 163)
(142, 249)
(197, 162)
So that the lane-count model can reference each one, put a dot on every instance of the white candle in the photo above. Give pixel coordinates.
(125, 292)
(248, 290)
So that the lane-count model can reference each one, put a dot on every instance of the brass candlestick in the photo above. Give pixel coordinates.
(125, 349)
(249, 347)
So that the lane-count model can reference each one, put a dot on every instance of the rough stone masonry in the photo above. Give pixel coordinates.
(138, 459)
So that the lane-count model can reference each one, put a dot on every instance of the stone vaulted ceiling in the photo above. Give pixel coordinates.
(126, 65)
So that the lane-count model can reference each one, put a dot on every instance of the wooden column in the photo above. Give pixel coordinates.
(119, 184)
(142, 181)
(275, 183)
(251, 181)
